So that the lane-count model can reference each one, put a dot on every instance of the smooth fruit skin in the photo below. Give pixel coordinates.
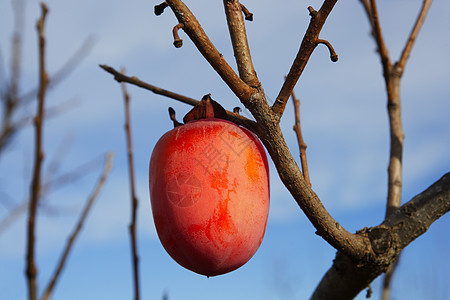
(209, 190)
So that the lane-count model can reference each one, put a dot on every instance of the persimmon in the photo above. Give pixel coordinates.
(209, 189)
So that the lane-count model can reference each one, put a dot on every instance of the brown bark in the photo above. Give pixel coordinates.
(134, 201)
(31, 269)
(301, 143)
(345, 279)
(238, 34)
(392, 76)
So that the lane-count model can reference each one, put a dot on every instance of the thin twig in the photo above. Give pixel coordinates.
(333, 55)
(31, 269)
(62, 261)
(382, 50)
(248, 15)
(177, 41)
(134, 200)
(307, 47)
(119, 77)
(236, 27)
(301, 143)
(400, 65)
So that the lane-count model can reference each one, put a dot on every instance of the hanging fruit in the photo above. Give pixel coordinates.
(209, 190)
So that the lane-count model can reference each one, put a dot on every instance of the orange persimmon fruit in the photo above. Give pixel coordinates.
(209, 190)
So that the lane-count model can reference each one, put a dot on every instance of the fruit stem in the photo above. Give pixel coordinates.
(207, 108)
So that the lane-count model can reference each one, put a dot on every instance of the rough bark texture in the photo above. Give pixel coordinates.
(345, 279)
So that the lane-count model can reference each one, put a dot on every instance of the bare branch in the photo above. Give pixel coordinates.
(307, 47)
(177, 42)
(400, 65)
(119, 77)
(382, 50)
(207, 49)
(62, 261)
(134, 200)
(368, 10)
(236, 26)
(31, 269)
(333, 55)
(248, 15)
(301, 143)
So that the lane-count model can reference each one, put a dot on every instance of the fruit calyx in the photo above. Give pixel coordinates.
(207, 108)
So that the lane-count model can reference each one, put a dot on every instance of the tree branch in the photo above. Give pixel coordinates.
(307, 47)
(134, 200)
(231, 116)
(236, 26)
(62, 261)
(31, 269)
(301, 143)
(345, 279)
(400, 65)
(119, 77)
(382, 50)
(195, 32)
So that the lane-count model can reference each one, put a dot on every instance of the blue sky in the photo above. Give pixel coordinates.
(344, 122)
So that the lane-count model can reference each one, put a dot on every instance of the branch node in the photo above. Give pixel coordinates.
(333, 55)
(380, 239)
(177, 42)
(159, 9)
(312, 11)
(248, 15)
